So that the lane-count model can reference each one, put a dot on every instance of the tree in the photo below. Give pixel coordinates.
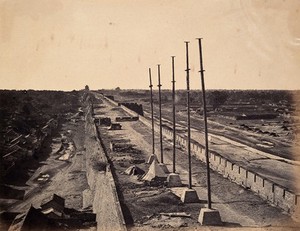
(217, 98)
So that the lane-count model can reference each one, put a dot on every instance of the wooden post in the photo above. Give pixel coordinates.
(188, 113)
(152, 117)
(205, 126)
(174, 117)
(160, 119)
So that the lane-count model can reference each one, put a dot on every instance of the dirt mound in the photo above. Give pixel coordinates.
(146, 204)
(134, 170)
(159, 199)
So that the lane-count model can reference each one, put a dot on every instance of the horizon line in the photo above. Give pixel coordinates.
(166, 89)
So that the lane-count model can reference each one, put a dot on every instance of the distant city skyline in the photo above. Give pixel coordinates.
(65, 45)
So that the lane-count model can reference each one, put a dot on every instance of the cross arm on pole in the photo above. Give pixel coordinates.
(150, 78)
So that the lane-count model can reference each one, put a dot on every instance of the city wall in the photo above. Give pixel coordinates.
(102, 192)
(273, 193)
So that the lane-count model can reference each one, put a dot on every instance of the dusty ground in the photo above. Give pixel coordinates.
(231, 129)
(62, 172)
(248, 149)
(246, 156)
(143, 204)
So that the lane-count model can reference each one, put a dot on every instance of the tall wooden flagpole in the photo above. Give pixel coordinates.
(152, 116)
(160, 119)
(174, 117)
(207, 216)
(205, 126)
(188, 112)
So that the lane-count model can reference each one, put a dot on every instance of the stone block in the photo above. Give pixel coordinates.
(209, 217)
(164, 167)
(189, 196)
(173, 180)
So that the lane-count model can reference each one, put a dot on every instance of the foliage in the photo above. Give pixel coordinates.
(217, 98)
(25, 109)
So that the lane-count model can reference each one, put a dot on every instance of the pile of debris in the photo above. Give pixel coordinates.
(127, 118)
(134, 171)
(115, 126)
(106, 121)
(121, 147)
(155, 175)
(53, 215)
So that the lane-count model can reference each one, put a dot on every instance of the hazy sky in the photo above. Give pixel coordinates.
(66, 44)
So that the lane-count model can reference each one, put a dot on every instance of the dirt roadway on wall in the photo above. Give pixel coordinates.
(143, 204)
(239, 146)
(227, 128)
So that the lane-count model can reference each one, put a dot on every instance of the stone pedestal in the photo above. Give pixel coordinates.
(163, 167)
(174, 180)
(151, 158)
(189, 196)
(209, 217)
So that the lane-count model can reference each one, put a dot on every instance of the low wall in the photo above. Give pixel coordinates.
(102, 190)
(138, 108)
(111, 101)
(265, 188)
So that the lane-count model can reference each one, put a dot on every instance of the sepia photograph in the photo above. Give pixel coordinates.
(137, 115)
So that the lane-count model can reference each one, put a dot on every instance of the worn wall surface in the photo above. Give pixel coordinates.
(102, 191)
(268, 190)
